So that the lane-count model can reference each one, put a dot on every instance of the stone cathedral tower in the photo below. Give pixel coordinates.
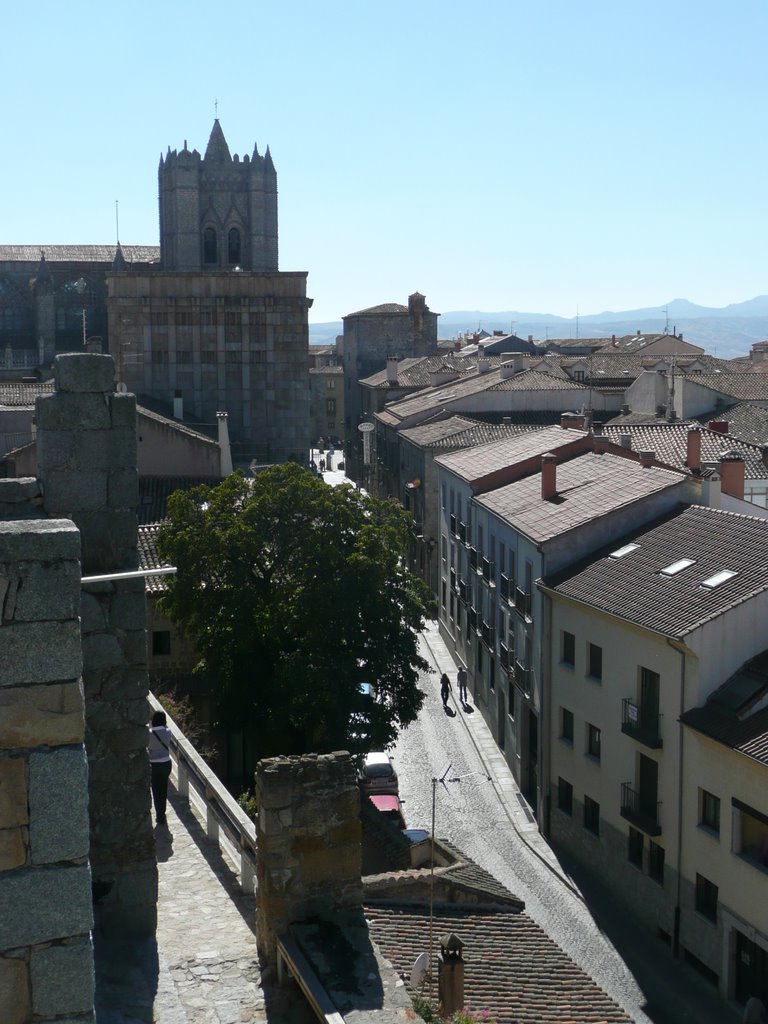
(215, 323)
(216, 211)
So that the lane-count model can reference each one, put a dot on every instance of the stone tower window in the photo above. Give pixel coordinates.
(233, 249)
(210, 253)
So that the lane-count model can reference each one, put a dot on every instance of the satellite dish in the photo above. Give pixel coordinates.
(419, 970)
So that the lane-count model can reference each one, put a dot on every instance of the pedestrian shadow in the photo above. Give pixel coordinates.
(163, 843)
(467, 708)
(449, 711)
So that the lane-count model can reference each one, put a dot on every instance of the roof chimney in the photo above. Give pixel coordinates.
(483, 364)
(392, 370)
(178, 405)
(548, 477)
(646, 458)
(693, 456)
(721, 426)
(225, 452)
(530, 338)
(457, 345)
(732, 474)
(600, 443)
(625, 440)
(571, 421)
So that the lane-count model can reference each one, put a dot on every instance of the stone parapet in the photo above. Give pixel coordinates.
(308, 836)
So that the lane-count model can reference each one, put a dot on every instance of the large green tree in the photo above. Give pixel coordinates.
(295, 593)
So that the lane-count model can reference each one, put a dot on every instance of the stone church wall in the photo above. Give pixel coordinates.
(46, 958)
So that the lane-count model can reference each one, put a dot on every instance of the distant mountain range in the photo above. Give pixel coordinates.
(726, 332)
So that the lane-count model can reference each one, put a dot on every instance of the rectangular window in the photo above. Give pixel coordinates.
(709, 811)
(492, 673)
(593, 741)
(595, 654)
(330, 406)
(656, 862)
(564, 796)
(568, 653)
(566, 725)
(502, 557)
(706, 898)
(635, 848)
(750, 838)
(183, 356)
(208, 357)
(591, 815)
(161, 642)
(231, 319)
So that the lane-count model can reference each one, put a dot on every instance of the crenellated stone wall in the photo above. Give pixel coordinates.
(308, 834)
(46, 958)
(86, 445)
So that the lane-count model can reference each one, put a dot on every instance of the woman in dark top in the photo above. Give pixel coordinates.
(160, 762)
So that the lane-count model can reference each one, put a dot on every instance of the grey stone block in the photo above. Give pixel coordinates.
(63, 978)
(56, 904)
(72, 412)
(66, 492)
(50, 591)
(128, 611)
(123, 489)
(109, 540)
(101, 651)
(39, 540)
(40, 652)
(19, 490)
(58, 805)
(104, 449)
(134, 645)
(93, 613)
(123, 409)
(84, 372)
(55, 448)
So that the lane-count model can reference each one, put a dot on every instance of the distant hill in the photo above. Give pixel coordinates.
(728, 331)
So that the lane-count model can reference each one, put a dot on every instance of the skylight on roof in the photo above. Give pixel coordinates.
(718, 579)
(626, 550)
(676, 567)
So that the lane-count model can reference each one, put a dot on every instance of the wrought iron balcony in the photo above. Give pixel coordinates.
(488, 633)
(472, 558)
(489, 572)
(522, 602)
(507, 659)
(504, 586)
(638, 809)
(641, 725)
(453, 525)
(453, 579)
(463, 533)
(473, 618)
(462, 589)
(523, 677)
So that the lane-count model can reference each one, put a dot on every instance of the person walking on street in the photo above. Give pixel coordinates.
(160, 762)
(445, 689)
(461, 682)
(322, 465)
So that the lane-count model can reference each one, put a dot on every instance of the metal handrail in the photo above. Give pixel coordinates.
(222, 812)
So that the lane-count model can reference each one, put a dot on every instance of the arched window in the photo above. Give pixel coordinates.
(234, 246)
(210, 254)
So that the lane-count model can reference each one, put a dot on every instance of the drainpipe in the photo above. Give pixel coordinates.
(681, 727)
(546, 725)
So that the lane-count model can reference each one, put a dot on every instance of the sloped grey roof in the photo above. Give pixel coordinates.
(744, 386)
(633, 587)
(497, 455)
(384, 307)
(78, 253)
(670, 443)
(748, 422)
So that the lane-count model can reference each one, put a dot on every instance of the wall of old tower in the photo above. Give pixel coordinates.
(46, 958)
(86, 447)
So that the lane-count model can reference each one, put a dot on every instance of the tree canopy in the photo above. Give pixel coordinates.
(295, 594)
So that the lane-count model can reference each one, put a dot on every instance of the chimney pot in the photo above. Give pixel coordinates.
(732, 474)
(548, 476)
(625, 440)
(721, 426)
(178, 405)
(391, 369)
(646, 458)
(530, 338)
(693, 453)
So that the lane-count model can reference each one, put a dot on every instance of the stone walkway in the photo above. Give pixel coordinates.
(204, 969)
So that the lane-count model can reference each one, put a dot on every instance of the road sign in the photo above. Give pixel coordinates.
(365, 428)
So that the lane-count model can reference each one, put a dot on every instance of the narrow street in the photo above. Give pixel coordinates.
(473, 816)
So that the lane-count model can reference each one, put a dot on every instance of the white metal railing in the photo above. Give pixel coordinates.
(223, 814)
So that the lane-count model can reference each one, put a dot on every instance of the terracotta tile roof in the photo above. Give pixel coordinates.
(512, 968)
(534, 380)
(748, 422)
(744, 386)
(726, 716)
(634, 588)
(149, 557)
(670, 440)
(588, 487)
(478, 462)
(23, 395)
(428, 434)
(78, 253)
(415, 371)
(384, 307)
(455, 432)
(614, 365)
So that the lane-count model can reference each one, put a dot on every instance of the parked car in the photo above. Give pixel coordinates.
(390, 807)
(378, 774)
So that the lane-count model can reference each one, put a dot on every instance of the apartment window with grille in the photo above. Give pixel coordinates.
(595, 661)
(568, 655)
(566, 725)
(183, 355)
(208, 357)
(231, 319)
(706, 898)
(564, 796)
(635, 848)
(591, 815)
(330, 406)
(656, 862)
(159, 356)
(593, 741)
(709, 811)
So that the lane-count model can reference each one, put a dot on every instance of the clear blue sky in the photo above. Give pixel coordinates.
(496, 155)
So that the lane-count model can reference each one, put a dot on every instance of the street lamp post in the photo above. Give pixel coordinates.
(81, 285)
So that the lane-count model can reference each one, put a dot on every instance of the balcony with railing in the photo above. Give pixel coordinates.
(453, 525)
(640, 723)
(463, 533)
(639, 809)
(507, 658)
(462, 587)
(504, 588)
(472, 558)
(523, 677)
(489, 572)
(488, 633)
(522, 603)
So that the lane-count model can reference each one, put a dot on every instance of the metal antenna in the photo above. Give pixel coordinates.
(665, 311)
(216, 108)
(117, 223)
